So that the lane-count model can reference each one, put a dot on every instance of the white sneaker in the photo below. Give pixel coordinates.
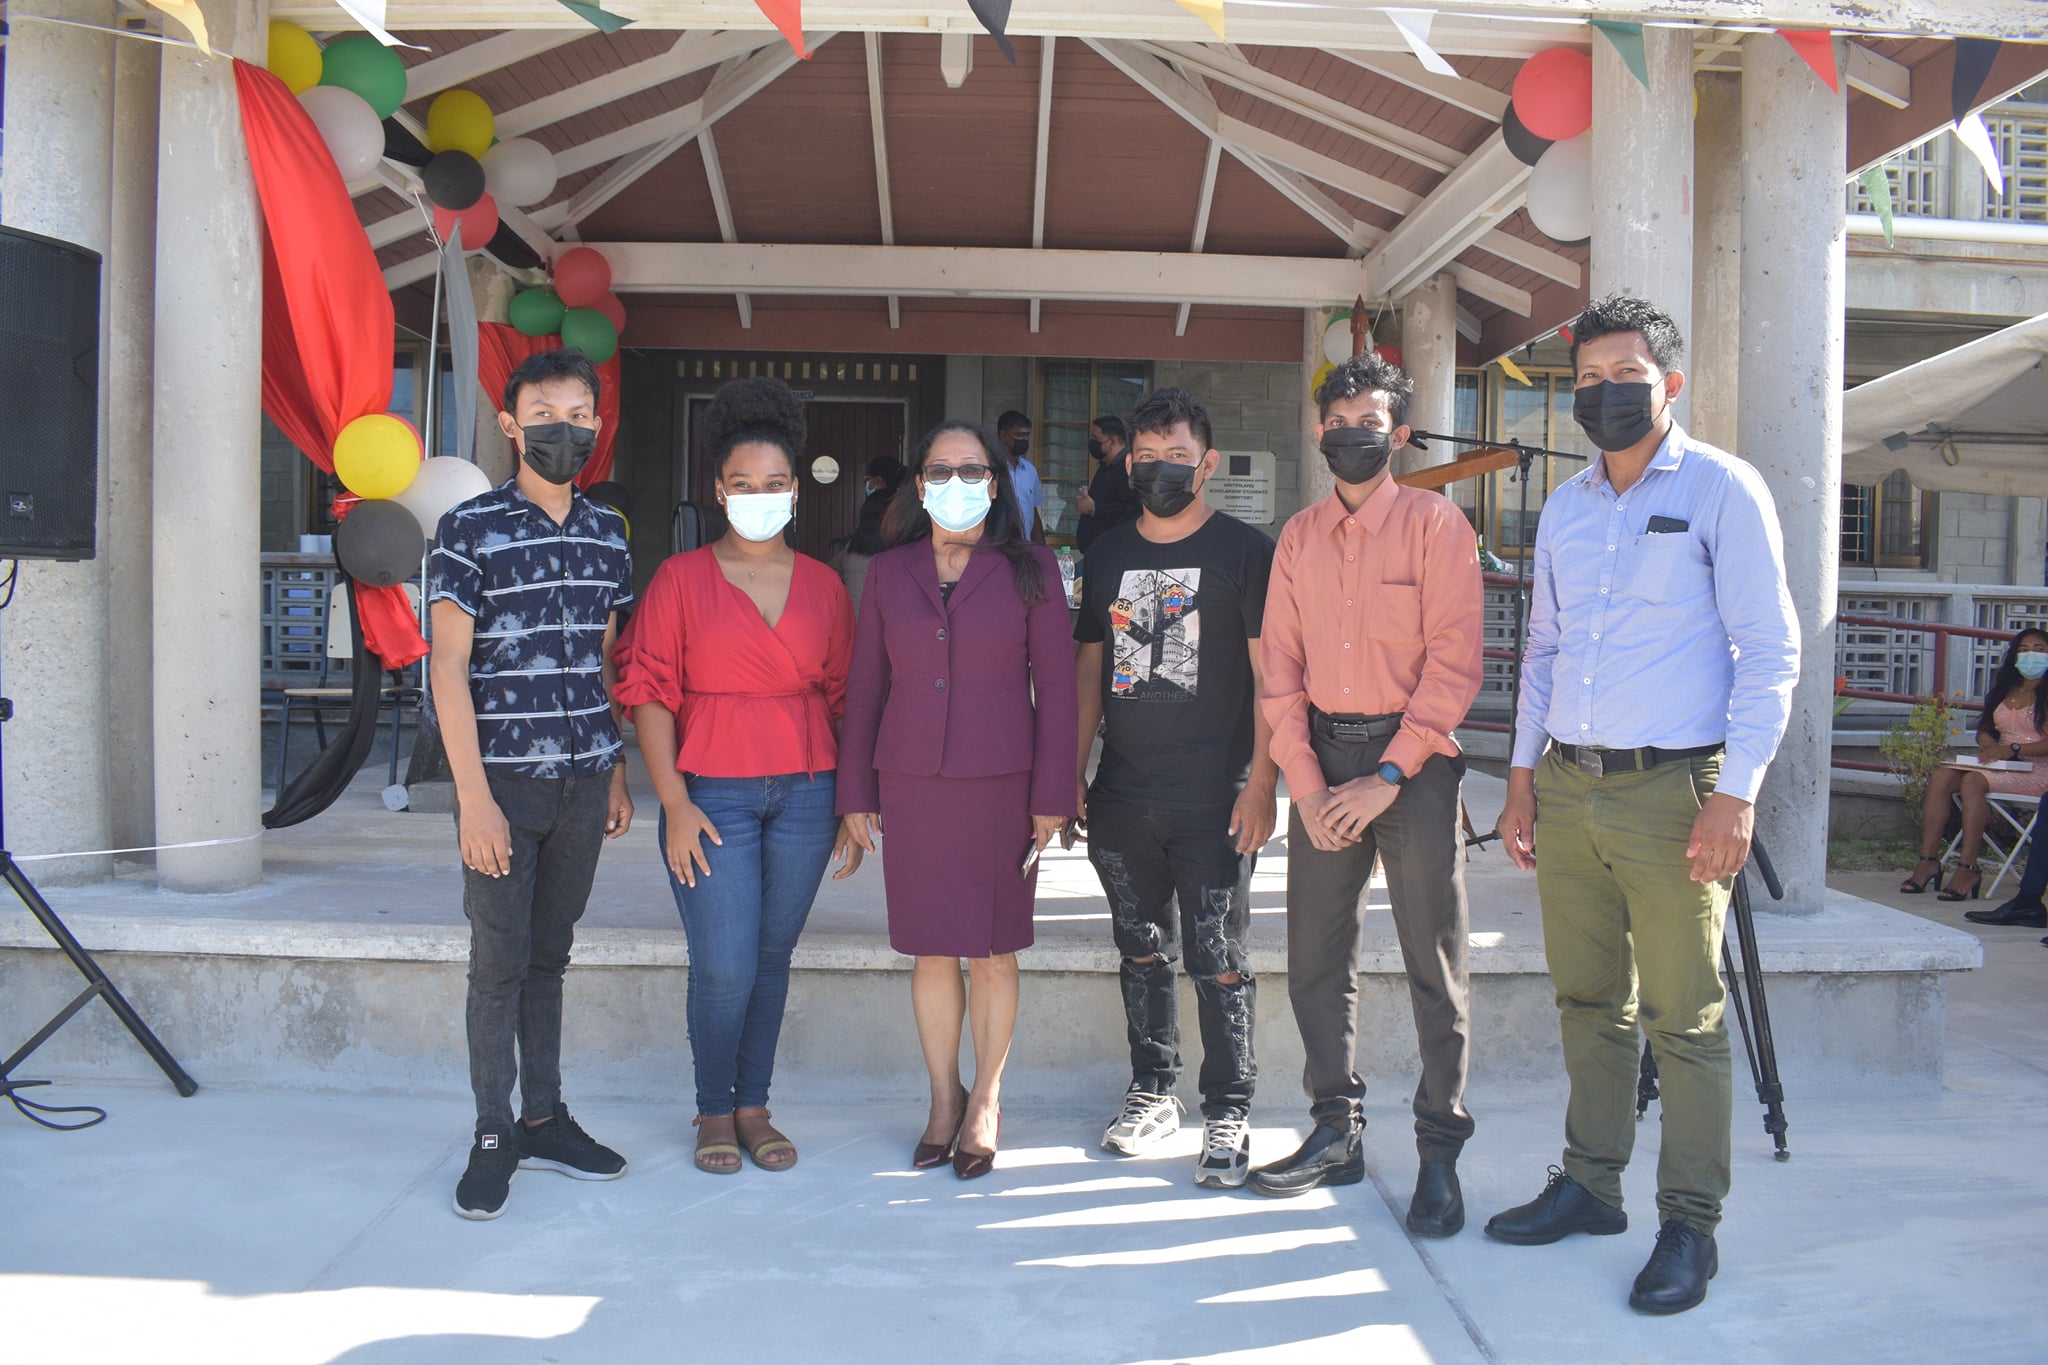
(1147, 1120)
(1226, 1153)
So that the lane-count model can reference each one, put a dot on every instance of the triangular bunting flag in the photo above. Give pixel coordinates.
(1877, 185)
(1816, 47)
(1209, 12)
(595, 15)
(995, 17)
(1972, 133)
(1515, 372)
(1974, 57)
(187, 13)
(1628, 41)
(1414, 26)
(370, 14)
(788, 18)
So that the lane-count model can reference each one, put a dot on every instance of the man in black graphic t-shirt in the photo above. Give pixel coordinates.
(1184, 795)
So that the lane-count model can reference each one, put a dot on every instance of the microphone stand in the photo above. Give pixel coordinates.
(1524, 456)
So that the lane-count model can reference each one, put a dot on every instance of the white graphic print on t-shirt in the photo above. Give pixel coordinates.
(1157, 635)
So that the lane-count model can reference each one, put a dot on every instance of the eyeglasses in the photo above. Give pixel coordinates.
(942, 473)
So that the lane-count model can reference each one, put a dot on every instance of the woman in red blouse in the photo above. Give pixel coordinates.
(735, 668)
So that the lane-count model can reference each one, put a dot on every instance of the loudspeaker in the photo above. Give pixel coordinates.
(49, 397)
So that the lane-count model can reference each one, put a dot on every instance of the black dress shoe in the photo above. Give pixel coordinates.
(1438, 1208)
(1330, 1156)
(2021, 910)
(1564, 1207)
(1676, 1277)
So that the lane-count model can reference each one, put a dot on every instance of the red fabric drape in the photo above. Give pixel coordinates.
(327, 323)
(499, 350)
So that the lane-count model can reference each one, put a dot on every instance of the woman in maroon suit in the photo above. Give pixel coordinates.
(959, 740)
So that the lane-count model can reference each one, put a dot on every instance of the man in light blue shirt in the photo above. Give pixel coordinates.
(1656, 684)
(1013, 433)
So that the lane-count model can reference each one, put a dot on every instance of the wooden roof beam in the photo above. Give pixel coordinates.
(1402, 67)
(879, 137)
(480, 58)
(721, 205)
(1044, 154)
(1200, 240)
(691, 52)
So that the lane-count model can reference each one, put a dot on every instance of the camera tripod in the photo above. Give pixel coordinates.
(97, 986)
(1752, 1013)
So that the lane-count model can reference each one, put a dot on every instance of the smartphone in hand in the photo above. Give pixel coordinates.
(1031, 852)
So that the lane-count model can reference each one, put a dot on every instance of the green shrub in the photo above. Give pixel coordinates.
(1921, 743)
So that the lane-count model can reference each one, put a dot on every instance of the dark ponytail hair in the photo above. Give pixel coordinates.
(754, 410)
(1003, 531)
(2008, 678)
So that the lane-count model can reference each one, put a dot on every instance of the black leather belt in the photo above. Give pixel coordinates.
(1601, 762)
(1354, 728)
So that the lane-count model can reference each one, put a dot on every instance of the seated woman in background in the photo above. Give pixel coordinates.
(735, 668)
(961, 698)
(2011, 729)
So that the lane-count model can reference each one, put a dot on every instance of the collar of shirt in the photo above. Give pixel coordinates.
(518, 504)
(1670, 454)
(1372, 513)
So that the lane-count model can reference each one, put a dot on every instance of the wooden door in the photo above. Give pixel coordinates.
(850, 433)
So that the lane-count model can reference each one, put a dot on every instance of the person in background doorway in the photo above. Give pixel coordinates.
(735, 667)
(1107, 500)
(1371, 656)
(1656, 683)
(525, 588)
(1013, 434)
(885, 476)
(1168, 647)
(959, 743)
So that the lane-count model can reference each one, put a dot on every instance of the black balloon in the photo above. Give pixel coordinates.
(1526, 146)
(379, 543)
(613, 495)
(454, 180)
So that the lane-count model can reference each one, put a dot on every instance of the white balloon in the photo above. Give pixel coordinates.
(519, 172)
(440, 484)
(1561, 190)
(1337, 340)
(350, 127)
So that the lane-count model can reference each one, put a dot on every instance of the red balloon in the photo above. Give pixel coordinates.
(1553, 93)
(583, 278)
(610, 306)
(479, 223)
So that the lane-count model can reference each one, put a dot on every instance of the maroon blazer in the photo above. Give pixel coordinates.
(975, 687)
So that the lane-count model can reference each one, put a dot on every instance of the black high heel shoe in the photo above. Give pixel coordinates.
(1910, 887)
(930, 1154)
(971, 1165)
(1954, 894)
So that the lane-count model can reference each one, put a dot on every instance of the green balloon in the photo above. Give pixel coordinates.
(537, 312)
(591, 332)
(364, 65)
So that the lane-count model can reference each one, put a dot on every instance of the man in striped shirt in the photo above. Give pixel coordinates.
(526, 587)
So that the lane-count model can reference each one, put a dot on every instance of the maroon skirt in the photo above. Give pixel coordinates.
(950, 851)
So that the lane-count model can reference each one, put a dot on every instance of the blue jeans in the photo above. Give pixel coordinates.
(743, 920)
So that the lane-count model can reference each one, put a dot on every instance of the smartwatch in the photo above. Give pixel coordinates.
(1391, 774)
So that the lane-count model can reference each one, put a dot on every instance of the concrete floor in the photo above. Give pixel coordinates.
(287, 1227)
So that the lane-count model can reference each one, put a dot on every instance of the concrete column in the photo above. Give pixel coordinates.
(1315, 481)
(1429, 352)
(131, 314)
(1642, 177)
(1715, 337)
(2025, 540)
(1794, 144)
(206, 496)
(59, 119)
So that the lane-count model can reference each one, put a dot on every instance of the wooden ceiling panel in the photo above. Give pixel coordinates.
(962, 162)
(1124, 174)
(798, 158)
(1251, 217)
(671, 203)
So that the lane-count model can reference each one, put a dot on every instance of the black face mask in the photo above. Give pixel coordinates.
(1164, 489)
(1356, 454)
(1019, 446)
(558, 451)
(1614, 416)
(1095, 448)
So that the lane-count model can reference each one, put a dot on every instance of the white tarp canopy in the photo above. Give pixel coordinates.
(1970, 420)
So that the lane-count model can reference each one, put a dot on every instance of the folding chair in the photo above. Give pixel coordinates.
(397, 694)
(2006, 833)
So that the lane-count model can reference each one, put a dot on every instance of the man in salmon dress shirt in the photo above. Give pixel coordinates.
(1370, 657)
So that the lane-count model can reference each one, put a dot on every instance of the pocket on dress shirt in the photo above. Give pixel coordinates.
(1397, 612)
(1669, 567)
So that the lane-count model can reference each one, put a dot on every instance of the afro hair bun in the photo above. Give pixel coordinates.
(758, 409)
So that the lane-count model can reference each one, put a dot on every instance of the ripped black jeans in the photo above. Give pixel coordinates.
(1151, 858)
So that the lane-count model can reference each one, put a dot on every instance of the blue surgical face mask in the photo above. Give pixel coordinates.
(957, 505)
(2031, 663)
(760, 516)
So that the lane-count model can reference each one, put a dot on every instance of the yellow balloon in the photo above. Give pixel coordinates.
(1321, 375)
(460, 121)
(377, 456)
(294, 56)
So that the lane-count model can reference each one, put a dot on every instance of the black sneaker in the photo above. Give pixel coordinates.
(560, 1144)
(480, 1194)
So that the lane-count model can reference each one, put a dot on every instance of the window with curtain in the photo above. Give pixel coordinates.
(1882, 524)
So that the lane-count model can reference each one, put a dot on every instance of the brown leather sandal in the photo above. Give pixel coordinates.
(771, 1147)
(706, 1150)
